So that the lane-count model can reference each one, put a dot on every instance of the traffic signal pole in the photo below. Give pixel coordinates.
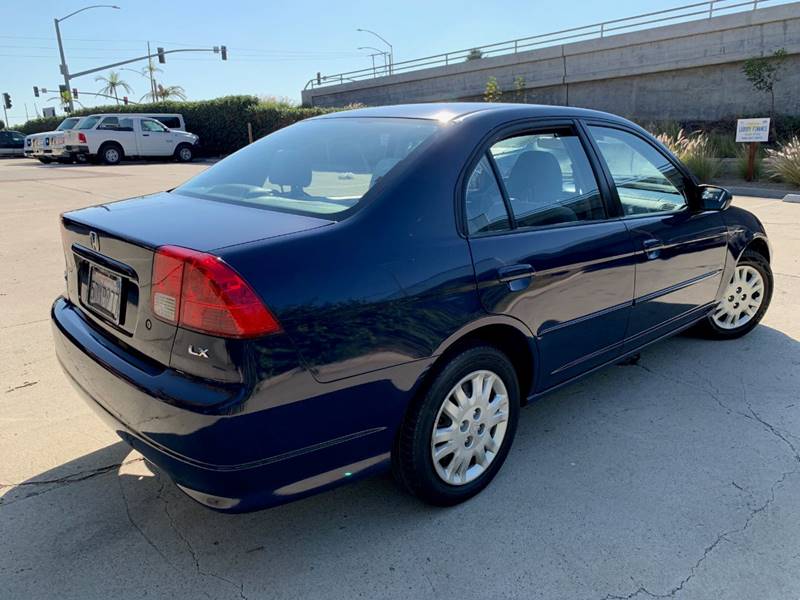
(64, 69)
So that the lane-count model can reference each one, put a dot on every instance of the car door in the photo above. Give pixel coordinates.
(680, 251)
(545, 250)
(118, 129)
(155, 139)
(5, 144)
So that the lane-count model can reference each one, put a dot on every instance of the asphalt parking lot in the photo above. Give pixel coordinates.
(675, 477)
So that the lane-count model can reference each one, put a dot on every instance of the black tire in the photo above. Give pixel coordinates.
(710, 329)
(111, 154)
(412, 460)
(184, 153)
(44, 160)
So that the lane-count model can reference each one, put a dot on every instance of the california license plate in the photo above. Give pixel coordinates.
(105, 290)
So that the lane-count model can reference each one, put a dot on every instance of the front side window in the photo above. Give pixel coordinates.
(319, 167)
(646, 181)
(150, 125)
(548, 178)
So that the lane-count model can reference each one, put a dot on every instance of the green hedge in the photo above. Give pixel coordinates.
(220, 123)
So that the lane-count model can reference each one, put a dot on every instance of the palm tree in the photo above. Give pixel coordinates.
(166, 92)
(113, 83)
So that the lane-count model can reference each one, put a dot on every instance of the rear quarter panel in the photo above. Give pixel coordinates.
(384, 287)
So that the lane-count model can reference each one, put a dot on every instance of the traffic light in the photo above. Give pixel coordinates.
(125, 100)
(7, 100)
(224, 51)
(75, 93)
(36, 91)
(161, 58)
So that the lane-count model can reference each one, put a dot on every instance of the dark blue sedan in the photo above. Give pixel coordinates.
(386, 287)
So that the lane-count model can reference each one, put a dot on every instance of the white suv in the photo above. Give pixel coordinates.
(112, 137)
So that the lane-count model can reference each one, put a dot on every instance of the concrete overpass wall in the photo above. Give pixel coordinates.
(685, 71)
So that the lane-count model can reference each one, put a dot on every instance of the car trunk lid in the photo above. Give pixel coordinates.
(109, 253)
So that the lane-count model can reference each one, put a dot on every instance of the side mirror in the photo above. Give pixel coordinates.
(712, 197)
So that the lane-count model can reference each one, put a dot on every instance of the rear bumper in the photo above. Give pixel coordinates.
(196, 430)
(69, 151)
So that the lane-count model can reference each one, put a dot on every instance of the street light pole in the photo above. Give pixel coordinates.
(64, 68)
(382, 53)
(391, 48)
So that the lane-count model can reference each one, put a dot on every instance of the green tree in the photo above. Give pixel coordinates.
(474, 54)
(166, 92)
(520, 93)
(2, 124)
(764, 72)
(492, 93)
(113, 82)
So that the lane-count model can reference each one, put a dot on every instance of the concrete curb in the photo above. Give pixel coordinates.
(756, 192)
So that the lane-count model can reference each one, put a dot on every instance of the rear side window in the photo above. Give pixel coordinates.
(116, 124)
(319, 167)
(547, 178)
(486, 210)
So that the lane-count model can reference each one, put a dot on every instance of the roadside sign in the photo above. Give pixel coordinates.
(752, 130)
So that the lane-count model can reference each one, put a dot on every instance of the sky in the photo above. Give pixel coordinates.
(274, 48)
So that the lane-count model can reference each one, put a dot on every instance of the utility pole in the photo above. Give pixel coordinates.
(150, 73)
(27, 118)
(64, 69)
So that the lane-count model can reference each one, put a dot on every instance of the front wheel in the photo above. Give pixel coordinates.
(745, 300)
(454, 441)
(44, 160)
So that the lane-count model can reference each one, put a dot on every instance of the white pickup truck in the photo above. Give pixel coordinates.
(111, 137)
(37, 145)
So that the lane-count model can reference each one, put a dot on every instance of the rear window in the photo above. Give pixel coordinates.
(317, 167)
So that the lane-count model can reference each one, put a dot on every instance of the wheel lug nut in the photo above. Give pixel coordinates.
(464, 425)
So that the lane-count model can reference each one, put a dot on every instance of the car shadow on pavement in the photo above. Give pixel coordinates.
(676, 448)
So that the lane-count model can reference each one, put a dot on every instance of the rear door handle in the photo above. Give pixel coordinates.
(652, 248)
(518, 277)
(145, 135)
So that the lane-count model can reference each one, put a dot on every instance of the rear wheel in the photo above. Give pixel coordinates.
(745, 300)
(455, 440)
(111, 154)
(184, 153)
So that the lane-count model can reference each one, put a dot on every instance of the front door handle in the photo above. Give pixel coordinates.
(518, 277)
(145, 135)
(652, 248)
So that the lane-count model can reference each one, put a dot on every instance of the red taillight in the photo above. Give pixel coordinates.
(199, 291)
(81, 138)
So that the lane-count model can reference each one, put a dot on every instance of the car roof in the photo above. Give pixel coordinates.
(449, 111)
(136, 114)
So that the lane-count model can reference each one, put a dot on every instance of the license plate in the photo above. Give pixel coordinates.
(104, 292)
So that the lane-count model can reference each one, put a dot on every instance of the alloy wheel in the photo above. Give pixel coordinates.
(742, 298)
(470, 427)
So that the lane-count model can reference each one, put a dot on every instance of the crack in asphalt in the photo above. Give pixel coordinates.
(709, 549)
(19, 387)
(60, 482)
(714, 393)
(192, 552)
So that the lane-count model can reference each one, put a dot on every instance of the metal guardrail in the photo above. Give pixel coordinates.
(687, 12)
